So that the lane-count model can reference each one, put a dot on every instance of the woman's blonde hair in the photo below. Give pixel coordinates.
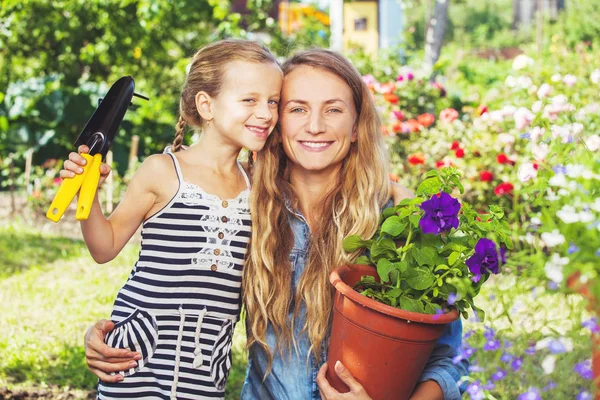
(351, 207)
(206, 73)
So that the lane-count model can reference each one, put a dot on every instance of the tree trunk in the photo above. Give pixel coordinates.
(434, 39)
(523, 12)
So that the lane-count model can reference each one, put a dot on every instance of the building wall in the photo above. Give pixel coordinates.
(361, 25)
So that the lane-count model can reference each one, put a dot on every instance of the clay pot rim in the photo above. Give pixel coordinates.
(346, 290)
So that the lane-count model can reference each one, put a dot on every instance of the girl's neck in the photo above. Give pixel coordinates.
(212, 153)
(311, 188)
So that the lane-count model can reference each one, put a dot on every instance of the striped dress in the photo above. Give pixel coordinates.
(181, 302)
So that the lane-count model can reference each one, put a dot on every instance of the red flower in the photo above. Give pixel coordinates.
(503, 159)
(459, 153)
(399, 115)
(385, 131)
(441, 88)
(440, 164)
(482, 109)
(416, 159)
(503, 189)
(486, 176)
(394, 177)
(397, 128)
(57, 181)
(426, 119)
(455, 145)
(448, 115)
(391, 98)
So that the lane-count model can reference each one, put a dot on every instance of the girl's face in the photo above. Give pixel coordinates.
(317, 119)
(246, 109)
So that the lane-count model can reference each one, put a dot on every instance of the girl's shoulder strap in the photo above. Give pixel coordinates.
(246, 178)
(175, 162)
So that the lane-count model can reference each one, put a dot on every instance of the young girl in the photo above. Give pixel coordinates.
(182, 299)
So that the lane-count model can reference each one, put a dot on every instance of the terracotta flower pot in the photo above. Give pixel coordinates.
(383, 347)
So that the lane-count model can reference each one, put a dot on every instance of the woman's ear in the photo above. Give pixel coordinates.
(354, 135)
(204, 105)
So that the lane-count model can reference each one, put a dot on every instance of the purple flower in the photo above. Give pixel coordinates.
(475, 368)
(572, 248)
(584, 369)
(490, 345)
(560, 169)
(591, 324)
(489, 333)
(530, 350)
(475, 391)
(516, 363)
(485, 259)
(532, 394)
(556, 347)
(451, 298)
(499, 374)
(551, 385)
(552, 285)
(506, 357)
(584, 395)
(441, 214)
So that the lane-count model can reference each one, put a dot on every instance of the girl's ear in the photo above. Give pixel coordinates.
(204, 105)
(354, 135)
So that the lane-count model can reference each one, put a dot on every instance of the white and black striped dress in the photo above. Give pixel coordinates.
(182, 300)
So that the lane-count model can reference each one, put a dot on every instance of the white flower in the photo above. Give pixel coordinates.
(536, 133)
(523, 118)
(596, 205)
(595, 77)
(527, 172)
(586, 216)
(548, 364)
(569, 80)
(554, 270)
(535, 221)
(544, 91)
(553, 238)
(577, 128)
(540, 151)
(556, 78)
(536, 107)
(560, 99)
(559, 180)
(505, 139)
(522, 61)
(568, 214)
(510, 81)
(575, 170)
(592, 142)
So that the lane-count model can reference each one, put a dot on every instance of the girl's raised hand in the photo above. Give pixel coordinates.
(74, 165)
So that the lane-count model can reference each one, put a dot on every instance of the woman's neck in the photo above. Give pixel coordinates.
(311, 188)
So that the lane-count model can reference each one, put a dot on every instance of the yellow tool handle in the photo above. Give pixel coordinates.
(68, 189)
(88, 189)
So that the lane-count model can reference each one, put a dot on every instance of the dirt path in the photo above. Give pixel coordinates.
(46, 393)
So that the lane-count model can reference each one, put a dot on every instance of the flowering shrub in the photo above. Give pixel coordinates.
(431, 251)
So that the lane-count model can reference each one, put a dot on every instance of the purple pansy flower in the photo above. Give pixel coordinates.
(556, 347)
(475, 391)
(499, 374)
(584, 369)
(532, 394)
(490, 345)
(441, 214)
(584, 395)
(591, 324)
(485, 260)
(506, 357)
(489, 333)
(452, 298)
(516, 363)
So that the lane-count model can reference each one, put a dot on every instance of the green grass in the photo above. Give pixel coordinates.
(51, 291)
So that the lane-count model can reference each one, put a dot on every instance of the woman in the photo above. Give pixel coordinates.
(321, 177)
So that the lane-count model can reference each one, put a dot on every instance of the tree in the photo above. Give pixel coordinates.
(434, 38)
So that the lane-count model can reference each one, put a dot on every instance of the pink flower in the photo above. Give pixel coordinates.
(523, 118)
(569, 80)
(482, 109)
(399, 115)
(486, 176)
(544, 91)
(369, 79)
(448, 115)
(459, 153)
(527, 172)
(503, 189)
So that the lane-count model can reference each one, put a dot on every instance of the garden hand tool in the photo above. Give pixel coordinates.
(98, 135)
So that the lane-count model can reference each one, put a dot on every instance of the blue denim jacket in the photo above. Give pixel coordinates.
(293, 376)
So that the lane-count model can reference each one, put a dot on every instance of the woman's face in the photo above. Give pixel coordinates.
(316, 119)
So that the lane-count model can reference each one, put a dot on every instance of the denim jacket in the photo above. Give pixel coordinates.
(293, 375)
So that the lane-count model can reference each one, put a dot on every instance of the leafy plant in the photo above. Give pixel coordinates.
(431, 251)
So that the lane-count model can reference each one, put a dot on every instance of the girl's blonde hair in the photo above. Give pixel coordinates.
(353, 206)
(206, 74)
